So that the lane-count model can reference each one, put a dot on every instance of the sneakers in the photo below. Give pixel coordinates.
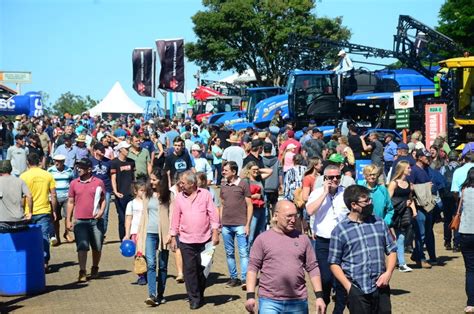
(141, 281)
(53, 241)
(404, 268)
(180, 278)
(232, 283)
(447, 246)
(161, 300)
(152, 301)
(95, 272)
(456, 249)
(469, 309)
(82, 276)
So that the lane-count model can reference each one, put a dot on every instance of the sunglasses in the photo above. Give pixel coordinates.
(332, 177)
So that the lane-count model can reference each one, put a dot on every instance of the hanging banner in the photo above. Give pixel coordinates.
(143, 69)
(435, 122)
(171, 53)
(403, 100)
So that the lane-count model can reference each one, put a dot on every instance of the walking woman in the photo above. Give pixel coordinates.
(153, 234)
(400, 192)
(466, 231)
(217, 159)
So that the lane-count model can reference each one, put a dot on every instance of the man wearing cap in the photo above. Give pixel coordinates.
(81, 147)
(45, 140)
(12, 191)
(43, 190)
(140, 156)
(17, 155)
(234, 152)
(315, 146)
(424, 219)
(290, 140)
(63, 176)
(101, 170)
(86, 202)
(122, 172)
(68, 150)
(389, 152)
(201, 164)
(195, 137)
(346, 69)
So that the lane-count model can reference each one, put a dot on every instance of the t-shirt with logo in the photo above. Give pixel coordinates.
(177, 164)
(124, 171)
(101, 170)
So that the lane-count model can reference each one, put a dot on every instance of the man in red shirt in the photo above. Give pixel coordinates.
(194, 219)
(290, 140)
(87, 202)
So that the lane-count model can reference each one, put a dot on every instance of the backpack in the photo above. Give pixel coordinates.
(448, 177)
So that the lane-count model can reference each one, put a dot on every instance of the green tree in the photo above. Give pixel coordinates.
(73, 104)
(456, 20)
(242, 34)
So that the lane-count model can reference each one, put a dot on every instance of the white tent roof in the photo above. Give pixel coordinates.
(245, 77)
(116, 101)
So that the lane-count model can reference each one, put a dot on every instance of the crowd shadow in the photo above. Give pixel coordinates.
(216, 278)
(398, 291)
(54, 268)
(443, 260)
(110, 273)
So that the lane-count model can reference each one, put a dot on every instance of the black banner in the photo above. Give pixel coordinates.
(143, 71)
(171, 53)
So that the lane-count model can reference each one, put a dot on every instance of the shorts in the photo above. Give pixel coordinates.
(61, 209)
(88, 233)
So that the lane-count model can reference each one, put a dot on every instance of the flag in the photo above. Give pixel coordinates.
(143, 71)
(171, 53)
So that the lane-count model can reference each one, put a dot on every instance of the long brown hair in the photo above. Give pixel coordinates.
(162, 189)
(400, 170)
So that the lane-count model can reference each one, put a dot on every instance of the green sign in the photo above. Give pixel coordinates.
(402, 118)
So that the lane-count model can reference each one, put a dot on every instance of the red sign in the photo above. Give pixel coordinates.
(435, 122)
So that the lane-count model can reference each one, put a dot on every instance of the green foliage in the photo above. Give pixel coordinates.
(73, 104)
(456, 20)
(242, 34)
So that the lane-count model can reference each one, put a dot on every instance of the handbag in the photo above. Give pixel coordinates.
(456, 221)
(139, 265)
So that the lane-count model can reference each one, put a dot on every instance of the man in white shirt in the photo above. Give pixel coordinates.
(234, 152)
(201, 164)
(327, 204)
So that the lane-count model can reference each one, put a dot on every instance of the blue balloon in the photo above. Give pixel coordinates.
(127, 248)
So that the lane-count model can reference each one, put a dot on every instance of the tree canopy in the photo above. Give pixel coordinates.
(456, 20)
(73, 104)
(254, 34)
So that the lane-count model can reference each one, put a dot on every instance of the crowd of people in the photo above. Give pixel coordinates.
(287, 200)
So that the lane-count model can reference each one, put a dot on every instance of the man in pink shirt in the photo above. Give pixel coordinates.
(291, 140)
(196, 221)
(86, 200)
(282, 255)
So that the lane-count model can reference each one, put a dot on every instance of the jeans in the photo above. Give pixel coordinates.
(228, 235)
(218, 168)
(270, 306)
(121, 206)
(3, 153)
(467, 250)
(105, 218)
(424, 235)
(151, 246)
(327, 278)
(258, 224)
(400, 233)
(449, 209)
(45, 222)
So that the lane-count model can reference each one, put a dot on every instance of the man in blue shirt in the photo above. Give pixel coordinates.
(389, 152)
(357, 251)
(460, 174)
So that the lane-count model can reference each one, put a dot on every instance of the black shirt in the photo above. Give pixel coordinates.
(177, 164)
(356, 145)
(124, 171)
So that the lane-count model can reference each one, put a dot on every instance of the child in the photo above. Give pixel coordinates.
(133, 215)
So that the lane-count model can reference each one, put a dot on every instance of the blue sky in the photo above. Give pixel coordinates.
(85, 46)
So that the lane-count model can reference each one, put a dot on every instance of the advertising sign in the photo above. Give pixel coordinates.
(402, 118)
(403, 100)
(143, 67)
(15, 77)
(171, 53)
(435, 122)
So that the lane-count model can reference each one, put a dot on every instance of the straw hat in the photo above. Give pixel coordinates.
(233, 139)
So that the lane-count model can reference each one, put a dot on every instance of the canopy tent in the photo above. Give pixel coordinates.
(247, 76)
(116, 101)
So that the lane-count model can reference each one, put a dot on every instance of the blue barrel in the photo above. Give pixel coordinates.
(22, 262)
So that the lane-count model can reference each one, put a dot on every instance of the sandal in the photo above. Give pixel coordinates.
(68, 237)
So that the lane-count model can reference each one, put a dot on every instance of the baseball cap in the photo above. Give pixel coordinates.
(316, 130)
(422, 152)
(59, 157)
(84, 163)
(341, 52)
(290, 133)
(257, 143)
(267, 147)
(122, 144)
(402, 146)
(196, 147)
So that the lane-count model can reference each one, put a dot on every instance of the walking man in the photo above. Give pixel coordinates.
(282, 255)
(358, 250)
(17, 155)
(12, 191)
(87, 203)
(236, 214)
(196, 221)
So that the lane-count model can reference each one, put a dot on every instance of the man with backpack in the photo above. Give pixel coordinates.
(449, 202)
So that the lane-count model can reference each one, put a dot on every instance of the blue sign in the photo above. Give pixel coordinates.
(360, 165)
(29, 104)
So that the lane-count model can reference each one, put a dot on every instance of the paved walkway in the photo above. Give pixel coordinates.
(439, 290)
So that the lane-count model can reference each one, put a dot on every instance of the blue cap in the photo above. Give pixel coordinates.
(402, 146)
(305, 129)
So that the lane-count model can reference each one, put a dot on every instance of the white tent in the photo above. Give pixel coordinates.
(245, 77)
(116, 101)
